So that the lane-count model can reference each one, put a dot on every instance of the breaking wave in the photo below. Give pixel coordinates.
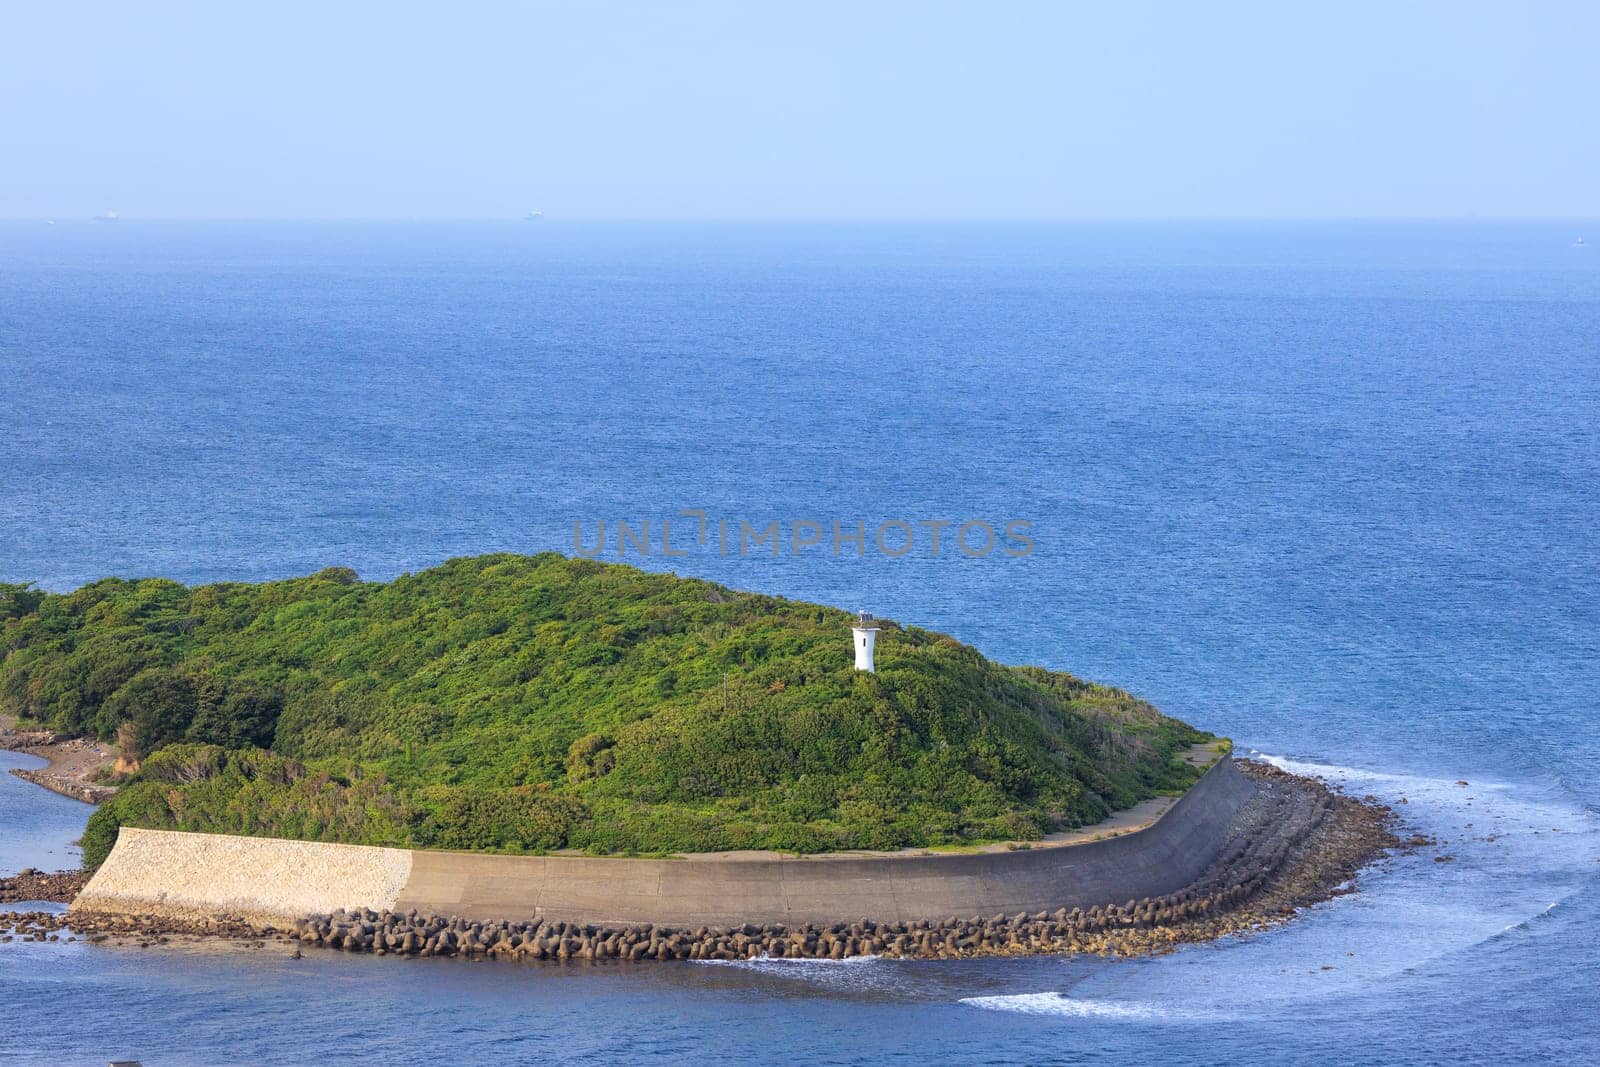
(1063, 1005)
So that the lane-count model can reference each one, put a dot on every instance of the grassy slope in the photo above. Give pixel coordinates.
(523, 703)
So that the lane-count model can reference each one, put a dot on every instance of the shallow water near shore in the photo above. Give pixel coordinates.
(1393, 946)
(36, 831)
(1328, 490)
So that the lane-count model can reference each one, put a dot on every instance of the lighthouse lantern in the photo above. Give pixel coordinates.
(866, 636)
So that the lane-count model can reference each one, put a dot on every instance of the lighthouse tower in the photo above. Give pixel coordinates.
(866, 632)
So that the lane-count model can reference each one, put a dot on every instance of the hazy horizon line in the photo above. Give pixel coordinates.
(559, 220)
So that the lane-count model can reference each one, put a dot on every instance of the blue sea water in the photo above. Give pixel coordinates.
(1332, 490)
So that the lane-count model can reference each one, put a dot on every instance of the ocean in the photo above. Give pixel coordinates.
(1332, 490)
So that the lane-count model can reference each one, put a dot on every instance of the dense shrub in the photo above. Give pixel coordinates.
(529, 703)
(522, 819)
(251, 792)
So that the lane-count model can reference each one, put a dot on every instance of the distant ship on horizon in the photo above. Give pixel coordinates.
(109, 216)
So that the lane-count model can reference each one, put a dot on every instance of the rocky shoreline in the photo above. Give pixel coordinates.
(1295, 844)
(71, 762)
(32, 884)
(89, 794)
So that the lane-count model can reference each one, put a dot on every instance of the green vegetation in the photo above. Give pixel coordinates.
(517, 703)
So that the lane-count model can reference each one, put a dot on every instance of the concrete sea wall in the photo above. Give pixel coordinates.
(261, 879)
(182, 875)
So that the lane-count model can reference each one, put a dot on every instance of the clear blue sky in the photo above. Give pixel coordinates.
(801, 109)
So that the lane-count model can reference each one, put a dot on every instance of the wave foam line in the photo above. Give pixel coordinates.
(1059, 1004)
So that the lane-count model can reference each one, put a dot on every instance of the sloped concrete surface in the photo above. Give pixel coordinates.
(261, 879)
(1159, 859)
(181, 874)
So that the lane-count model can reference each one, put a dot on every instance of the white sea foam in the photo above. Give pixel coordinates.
(1507, 855)
(1063, 1005)
(765, 961)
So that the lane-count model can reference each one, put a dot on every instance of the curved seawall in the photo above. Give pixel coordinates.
(264, 879)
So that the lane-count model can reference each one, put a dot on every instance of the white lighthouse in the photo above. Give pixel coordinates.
(866, 632)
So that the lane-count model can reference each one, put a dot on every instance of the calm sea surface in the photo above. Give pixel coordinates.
(1333, 491)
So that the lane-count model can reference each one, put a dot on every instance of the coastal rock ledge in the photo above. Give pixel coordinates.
(1247, 845)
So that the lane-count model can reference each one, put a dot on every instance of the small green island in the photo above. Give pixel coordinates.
(527, 704)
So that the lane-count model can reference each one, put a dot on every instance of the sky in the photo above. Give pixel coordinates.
(814, 110)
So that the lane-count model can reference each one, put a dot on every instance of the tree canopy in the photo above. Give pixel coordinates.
(522, 703)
